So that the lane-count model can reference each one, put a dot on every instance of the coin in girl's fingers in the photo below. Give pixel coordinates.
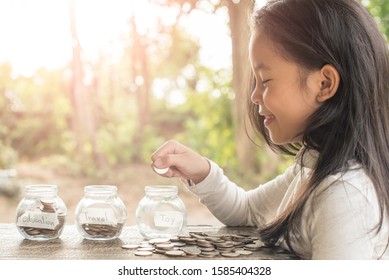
(161, 171)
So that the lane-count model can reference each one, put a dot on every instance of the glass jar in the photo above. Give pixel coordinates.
(41, 214)
(100, 214)
(160, 213)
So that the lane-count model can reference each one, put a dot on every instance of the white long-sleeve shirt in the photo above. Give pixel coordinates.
(338, 220)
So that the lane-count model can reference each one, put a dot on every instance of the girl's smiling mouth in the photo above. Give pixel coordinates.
(268, 119)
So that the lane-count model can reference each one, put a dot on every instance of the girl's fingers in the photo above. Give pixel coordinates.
(173, 159)
(170, 147)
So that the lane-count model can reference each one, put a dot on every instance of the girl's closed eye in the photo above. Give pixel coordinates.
(264, 82)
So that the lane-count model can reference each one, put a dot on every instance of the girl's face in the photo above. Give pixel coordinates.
(279, 92)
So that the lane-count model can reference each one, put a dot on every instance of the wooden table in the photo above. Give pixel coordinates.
(71, 246)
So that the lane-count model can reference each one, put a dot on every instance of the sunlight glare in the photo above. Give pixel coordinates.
(36, 33)
(260, 3)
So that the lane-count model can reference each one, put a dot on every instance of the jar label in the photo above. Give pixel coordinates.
(100, 216)
(168, 218)
(38, 220)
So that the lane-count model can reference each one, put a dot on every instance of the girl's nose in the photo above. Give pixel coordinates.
(256, 96)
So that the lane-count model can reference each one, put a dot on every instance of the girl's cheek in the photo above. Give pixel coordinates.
(267, 98)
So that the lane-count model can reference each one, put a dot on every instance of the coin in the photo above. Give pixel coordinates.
(175, 253)
(212, 254)
(188, 239)
(130, 246)
(227, 244)
(191, 250)
(179, 244)
(213, 239)
(161, 170)
(46, 202)
(174, 239)
(196, 235)
(143, 253)
(225, 250)
(159, 240)
(164, 246)
(204, 243)
(207, 249)
(230, 254)
(254, 247)
(244, 252)
(208, 255)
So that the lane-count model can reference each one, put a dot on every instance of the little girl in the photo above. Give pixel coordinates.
(321, 92)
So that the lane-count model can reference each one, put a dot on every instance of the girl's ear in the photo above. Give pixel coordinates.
(329, 83)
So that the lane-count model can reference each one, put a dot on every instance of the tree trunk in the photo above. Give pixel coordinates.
(82, 122)
(141, 85)
(240, 36)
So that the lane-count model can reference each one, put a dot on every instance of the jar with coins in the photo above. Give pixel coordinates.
(160, 213)
(100, 214)
(41, 213)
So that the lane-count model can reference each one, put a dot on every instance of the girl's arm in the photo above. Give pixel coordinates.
(233, 205)
(344, 219)
(229, 203)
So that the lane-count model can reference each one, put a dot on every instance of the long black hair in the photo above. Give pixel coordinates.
(354, 123)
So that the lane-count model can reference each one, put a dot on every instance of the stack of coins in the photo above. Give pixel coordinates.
(47, 207)
(99, 230)
(198, 244)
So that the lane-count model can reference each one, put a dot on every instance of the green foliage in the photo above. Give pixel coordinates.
(35, 112)
(175, 53)
(8, 157)
(115, 141)
(209, 127)
(151, 141)
(380, 10)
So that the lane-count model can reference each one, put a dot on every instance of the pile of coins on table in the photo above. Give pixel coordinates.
(101, 230)
(198, 244)
(47, 207)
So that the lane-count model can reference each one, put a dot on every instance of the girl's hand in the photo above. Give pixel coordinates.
(180, 161)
